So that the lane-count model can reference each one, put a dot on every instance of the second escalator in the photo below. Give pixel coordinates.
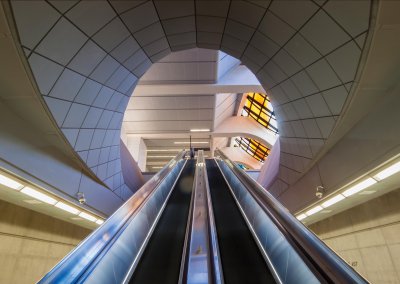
(161, 260)
(241, 258)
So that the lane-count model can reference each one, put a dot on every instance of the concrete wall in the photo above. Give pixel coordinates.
(32, 243)
(367, 237)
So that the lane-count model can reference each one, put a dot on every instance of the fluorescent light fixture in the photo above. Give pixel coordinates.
(38, 195)
(314, 210)
(333, 200)
(67, 208)
(157, 167)
(388, 171)
(301, 217)
(99, 222)
(87, 217)
(200, 130)
(359, 186)
(10, 183)
(193, 142)
(164, 150)
(160, 157)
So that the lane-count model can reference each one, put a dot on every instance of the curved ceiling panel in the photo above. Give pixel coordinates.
(87, 56)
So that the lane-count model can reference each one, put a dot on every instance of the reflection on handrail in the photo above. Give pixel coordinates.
(70, 269)
(326, 264)
(204, 265)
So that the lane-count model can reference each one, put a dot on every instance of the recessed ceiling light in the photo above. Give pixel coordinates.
(314, 210)
(10, 183)
(388, 171)
(200, 130)
(67, 208)
(38, 195)
(333, 200)
(164, 150)
(99, 222)
(301, 217)
(87, 217)
(193, 142)
(359, 186)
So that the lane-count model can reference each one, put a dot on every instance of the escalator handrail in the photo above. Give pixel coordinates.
(202, 232)
(216, 261)
(72, 266)
(324, 261)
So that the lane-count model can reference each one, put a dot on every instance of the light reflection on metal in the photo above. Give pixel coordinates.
(203, 259)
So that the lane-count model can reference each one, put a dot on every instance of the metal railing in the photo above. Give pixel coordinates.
(325, 264)
(203, 259)
(137, 212)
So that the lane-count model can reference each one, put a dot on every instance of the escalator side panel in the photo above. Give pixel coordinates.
(242, 261)
(161, 260)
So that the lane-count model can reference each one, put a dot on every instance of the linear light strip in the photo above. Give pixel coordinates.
(67, 208)
(356, 188)
(38, 195)
(164, 150)
(200, 130)
(359, 186)
(10, 183)
(87, 217)
(193, 142)
(41, 196)
(389, 171)
(333, 200)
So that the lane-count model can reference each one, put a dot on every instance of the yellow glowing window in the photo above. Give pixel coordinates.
(259, 108)
(253, 148)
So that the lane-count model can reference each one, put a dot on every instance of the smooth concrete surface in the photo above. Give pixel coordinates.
(367, 237)
(32, 243)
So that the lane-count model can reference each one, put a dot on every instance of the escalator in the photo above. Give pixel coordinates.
(199, 222)
(161, 260)
(241, 259)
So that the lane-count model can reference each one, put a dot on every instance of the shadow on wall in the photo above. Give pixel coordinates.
(270, 169)
(130, 170)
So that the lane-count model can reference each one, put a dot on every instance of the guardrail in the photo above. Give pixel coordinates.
(284, 239)
(106, 240)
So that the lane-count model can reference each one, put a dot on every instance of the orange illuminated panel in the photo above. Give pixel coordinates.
(258, 107)
(253, 148)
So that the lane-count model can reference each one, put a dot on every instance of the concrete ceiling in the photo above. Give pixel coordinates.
(87, 56)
